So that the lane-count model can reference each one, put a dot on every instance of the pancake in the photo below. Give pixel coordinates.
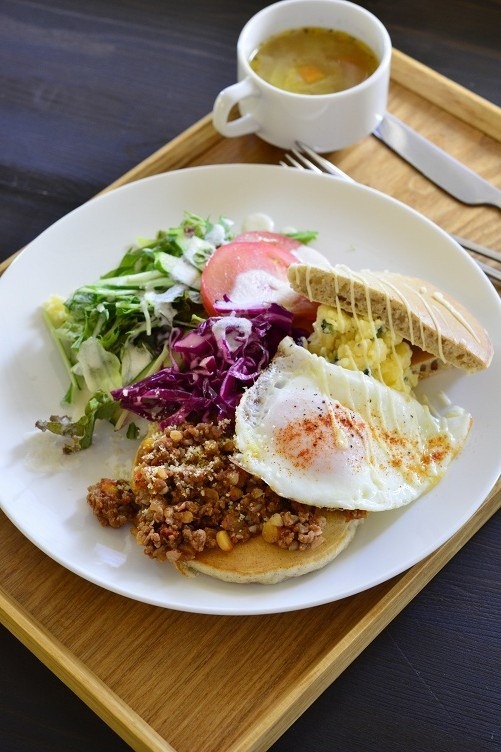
(187, 486)
(265, 563)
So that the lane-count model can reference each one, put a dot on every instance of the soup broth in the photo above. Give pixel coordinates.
(313, 60)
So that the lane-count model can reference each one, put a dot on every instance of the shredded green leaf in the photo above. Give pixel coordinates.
(303, 236)
(79, 433)
(114, 331)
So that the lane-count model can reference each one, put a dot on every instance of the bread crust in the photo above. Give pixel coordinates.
(415, 309)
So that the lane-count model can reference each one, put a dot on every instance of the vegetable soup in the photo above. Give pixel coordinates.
(313, 60)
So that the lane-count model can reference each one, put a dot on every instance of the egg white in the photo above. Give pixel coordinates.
(331, 437)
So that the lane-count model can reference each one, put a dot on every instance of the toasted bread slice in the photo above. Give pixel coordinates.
(416, 310)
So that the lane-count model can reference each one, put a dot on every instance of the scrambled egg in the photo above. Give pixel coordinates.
(361, 345)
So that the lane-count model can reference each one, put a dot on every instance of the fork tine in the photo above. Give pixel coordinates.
(325, 164)
(291, 161)
(307, 163)
(300, 162)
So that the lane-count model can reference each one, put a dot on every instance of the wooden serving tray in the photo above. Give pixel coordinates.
(165, 680)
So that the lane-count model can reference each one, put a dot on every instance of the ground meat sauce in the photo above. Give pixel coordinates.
(113, 502)
(186, 490)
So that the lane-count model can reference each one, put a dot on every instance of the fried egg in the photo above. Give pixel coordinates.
(331, 437)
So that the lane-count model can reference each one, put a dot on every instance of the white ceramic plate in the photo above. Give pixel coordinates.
(357, 226)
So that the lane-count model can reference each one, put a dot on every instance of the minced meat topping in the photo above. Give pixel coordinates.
(189, 496)
(113, 502)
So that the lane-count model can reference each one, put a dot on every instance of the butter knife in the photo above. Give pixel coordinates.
(438, 166)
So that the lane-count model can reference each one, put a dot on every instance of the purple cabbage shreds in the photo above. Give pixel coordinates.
(212, 366)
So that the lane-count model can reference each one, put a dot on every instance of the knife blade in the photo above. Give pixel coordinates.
(436, 164)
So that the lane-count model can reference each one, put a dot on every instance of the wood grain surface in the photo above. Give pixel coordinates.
(430, 680)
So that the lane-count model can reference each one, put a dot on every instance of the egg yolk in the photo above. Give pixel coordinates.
(326, 440)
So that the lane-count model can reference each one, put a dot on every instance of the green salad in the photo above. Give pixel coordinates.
(116, 330)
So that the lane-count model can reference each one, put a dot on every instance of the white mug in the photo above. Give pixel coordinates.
(326, 122)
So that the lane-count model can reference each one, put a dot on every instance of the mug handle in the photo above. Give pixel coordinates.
(223, 105)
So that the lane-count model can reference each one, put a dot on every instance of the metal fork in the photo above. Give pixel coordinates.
(302, 157)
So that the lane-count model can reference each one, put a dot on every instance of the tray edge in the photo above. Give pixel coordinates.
(81, 680)
(405, 70)
(451, 98)
(289, 708)
(143, 738)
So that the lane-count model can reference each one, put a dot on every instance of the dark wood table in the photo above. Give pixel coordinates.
(88, 90)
